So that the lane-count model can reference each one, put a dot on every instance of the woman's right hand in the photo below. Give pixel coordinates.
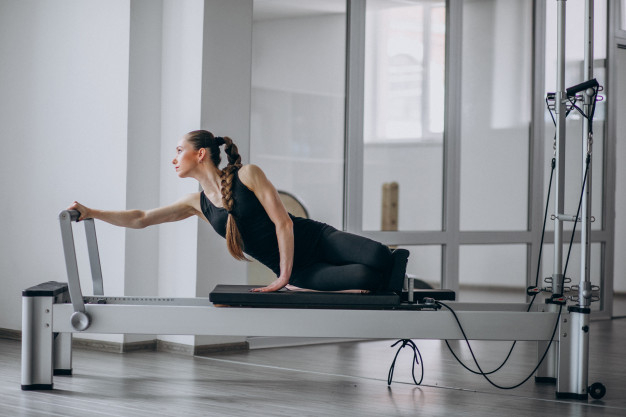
(85, 213)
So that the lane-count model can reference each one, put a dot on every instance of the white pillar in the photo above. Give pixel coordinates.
(226, 92)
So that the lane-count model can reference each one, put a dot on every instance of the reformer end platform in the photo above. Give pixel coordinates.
(241, 296)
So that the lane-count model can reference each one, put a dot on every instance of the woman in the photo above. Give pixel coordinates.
(243, 206)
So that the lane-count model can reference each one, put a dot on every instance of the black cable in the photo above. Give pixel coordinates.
(543, 233)
(556, 326)
(480, 371)
(416, 353)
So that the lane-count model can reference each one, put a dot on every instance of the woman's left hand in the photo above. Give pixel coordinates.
(279, 283)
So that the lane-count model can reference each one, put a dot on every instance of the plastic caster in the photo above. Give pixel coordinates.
(597, 390)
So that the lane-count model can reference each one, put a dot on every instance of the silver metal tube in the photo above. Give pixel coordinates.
(573, 356)
(574, 331)
(62, 354)
(69, 250)
(557, 274)
(37, 343)
(94, 257)
(584, 299)
(548, 370)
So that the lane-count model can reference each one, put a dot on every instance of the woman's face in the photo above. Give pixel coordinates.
(186, 158)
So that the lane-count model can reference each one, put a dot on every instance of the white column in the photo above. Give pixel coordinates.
(225, 104)
(144, 147)
(181, 81)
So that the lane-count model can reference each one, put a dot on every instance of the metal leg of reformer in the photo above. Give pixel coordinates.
(573, 361)
(62, 351)
(547, 371)
(37, 342)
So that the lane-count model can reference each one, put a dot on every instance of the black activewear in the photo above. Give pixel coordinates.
(325, 258)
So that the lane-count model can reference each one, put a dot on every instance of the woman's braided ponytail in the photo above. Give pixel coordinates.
(233, 237)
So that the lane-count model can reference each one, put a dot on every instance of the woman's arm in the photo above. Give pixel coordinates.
(138, 219)
(253, 177)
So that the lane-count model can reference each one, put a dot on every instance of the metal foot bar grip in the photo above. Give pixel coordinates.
(79, 320)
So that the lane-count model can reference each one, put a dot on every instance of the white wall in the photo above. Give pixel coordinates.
(63, 121)
(144, 151)
(619, 282)
(95, 97)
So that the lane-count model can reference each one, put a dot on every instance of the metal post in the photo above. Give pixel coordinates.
(37, 342)
(62, 351)
(44, 353)
(574, 347)
(584, 299)
(557, 274)
(548, 370)
(572, 382)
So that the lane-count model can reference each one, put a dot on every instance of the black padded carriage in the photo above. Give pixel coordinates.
(241, 296)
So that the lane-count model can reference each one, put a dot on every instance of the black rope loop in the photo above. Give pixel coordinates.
(416, 353)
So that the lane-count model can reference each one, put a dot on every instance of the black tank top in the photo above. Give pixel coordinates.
(258, 232)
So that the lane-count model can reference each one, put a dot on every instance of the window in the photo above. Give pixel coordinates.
(404, 113)
(404, 75)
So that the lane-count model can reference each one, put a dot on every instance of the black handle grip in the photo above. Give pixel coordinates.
(74, 214)
(581, 87)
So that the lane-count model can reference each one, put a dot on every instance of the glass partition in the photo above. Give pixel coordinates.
(425, 264)
(404, 113)
(495, 119)
(493, 273)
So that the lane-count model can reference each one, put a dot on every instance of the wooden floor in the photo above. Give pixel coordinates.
(341, 379)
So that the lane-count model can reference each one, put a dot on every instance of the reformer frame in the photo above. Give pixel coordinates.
(52, 312)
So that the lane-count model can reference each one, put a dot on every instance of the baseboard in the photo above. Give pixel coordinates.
(98, 345)
(265, 342)
(225, 347)
(171, 347)
(150, 345)
(11, 334)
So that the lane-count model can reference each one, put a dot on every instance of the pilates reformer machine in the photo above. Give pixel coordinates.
(52, 312)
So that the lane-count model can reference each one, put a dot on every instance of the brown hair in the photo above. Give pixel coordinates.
(205, 139)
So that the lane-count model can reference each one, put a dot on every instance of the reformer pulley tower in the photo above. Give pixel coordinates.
(573, 347)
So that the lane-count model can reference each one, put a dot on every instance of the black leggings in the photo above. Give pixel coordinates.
(345, 261)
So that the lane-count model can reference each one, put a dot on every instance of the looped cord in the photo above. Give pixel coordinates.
(416, 353)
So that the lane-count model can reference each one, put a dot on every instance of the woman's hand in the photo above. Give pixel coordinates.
(84, 211)
(279, 283)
